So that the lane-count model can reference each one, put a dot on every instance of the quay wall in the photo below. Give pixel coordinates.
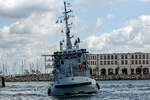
(121, 77)
(28, 78)
(48, 77)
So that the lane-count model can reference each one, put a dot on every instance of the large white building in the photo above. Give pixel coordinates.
(120, 63)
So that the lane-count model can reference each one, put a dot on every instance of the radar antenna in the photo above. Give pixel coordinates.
(66, 18)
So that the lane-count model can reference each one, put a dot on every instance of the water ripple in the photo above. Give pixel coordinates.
(110, 90)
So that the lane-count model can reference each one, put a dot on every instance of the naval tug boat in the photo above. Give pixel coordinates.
(71, 71)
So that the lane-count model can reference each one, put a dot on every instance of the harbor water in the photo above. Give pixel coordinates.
(110, 90)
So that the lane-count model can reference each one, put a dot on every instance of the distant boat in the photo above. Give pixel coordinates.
(2, 82)
(71, 71)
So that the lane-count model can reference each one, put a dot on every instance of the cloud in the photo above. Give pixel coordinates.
(27, 30)
(132, 37)
(25, 38)
(88, 3)
(98, 23)
(24, 8)
(109, 16)
(35, 24)
(93, 27)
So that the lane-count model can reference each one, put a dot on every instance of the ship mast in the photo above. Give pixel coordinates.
(66, 17)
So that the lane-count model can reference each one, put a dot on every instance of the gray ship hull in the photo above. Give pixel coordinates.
(74, 86)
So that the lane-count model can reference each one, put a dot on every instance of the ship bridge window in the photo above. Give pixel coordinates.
(79, 60)
(62, 62)
(59, 57)
(79, 55)
(84, 63)
(66, 57)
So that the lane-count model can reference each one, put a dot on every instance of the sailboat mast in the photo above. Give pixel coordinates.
(68, 38)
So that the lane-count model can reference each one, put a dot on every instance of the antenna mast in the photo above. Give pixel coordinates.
(66, 17)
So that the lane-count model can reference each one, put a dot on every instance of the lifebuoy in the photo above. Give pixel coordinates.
(80, 66)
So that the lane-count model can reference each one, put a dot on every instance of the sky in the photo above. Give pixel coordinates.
(28, 28)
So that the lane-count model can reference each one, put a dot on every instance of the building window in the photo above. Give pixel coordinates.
(94, 57)
(139, 56)
(101, 57)
(95, 63)
(143, 56)
(116, 71)
(115, 56)
(104, 57)
(126, 62)
(132, 71)
(104, 62)
(147, 62)
(112, 62)
(89, 62)
(108, 62)
(132, 57)
(112, 57)
(136, 62)
(145, 71)
(143, 61)
(147, 56)
(108, 57)
(110, 71)
(138, 71)
(122, 62)
(116, 62)
(135, 56)
(124, 71)
(132, 61)
(122, 57)
(126, 56)
(139, 61)
(101, 62)
(103, 71)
